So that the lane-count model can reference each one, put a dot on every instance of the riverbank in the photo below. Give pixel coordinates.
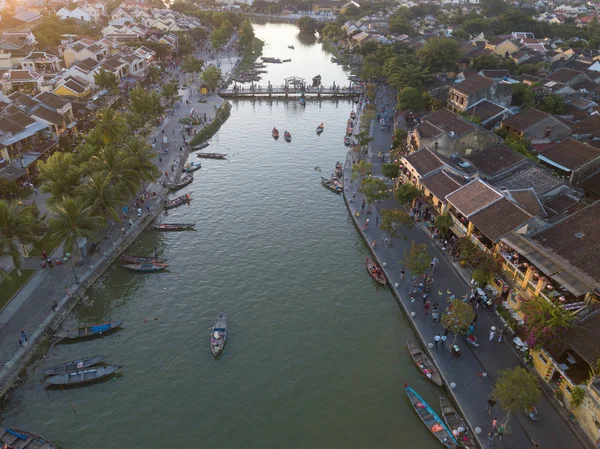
(462, 376)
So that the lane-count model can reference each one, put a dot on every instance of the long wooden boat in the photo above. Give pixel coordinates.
(184, 181)
(424, 364)
(330, 185)
(83, 377)
(352, 115)
(302, 101)
(202, 145)
(347, 141)
(176, 202)
(337, 181)
(454, 422)
(192, 167)
(375, 272)
(349, 130)
(433, 422)
(287, 136)
(218, 337)
(20, 439)
(350, 122)
(89, 331)
(320, 128)
(211, 155)
(174, 226)
(275, 133)
(339, 169)
(72, 366)
(140, 259)
(146, 267)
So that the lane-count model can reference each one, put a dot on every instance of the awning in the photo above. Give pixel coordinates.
(519, 244)
(543, 263)
(12, 173)
(571, 283)
(71, 125)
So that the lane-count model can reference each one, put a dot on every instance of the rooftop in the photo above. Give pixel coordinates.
(441, 184)
(570, 154)
(473, 197)
(589, 125)
(496, 159)
(485, 110)
(525, 119)
(584, 339)
(560, 203)
(450, 122)
(499, 219)
(563, 75)
(529, 201)
(473, 84)
(424, 161)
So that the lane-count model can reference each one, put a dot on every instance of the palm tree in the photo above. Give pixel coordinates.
(115, 164)
(18, 224)
(111, 125)
(139, 159)
(100, 192)
(73, 219)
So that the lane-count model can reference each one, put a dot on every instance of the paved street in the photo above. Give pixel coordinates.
(472, 391)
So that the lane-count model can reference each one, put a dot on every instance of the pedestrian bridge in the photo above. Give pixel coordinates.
(284, 92)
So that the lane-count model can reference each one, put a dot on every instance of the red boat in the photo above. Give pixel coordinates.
(375, 272)
(275, 133)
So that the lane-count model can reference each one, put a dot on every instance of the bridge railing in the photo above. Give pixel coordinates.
(282, 90)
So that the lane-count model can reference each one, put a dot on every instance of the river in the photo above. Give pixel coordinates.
(316, 355)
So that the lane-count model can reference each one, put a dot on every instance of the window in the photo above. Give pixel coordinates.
(543, 359)
(569, 389)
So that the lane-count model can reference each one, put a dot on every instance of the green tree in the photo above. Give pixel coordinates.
(577, 396)
(400, 136)
(102, 195)
(374, 189)
(145, 103)
(416, 259)
(246, 36)
(522, 95)
(170, 91)
(493, 8)
(392, 218)
(212, 77)
(519, 144)
(390, 171)
(457, 318)
(113, 163)
(546, 324)
(307, 25)
(139, 159)
(111, 125)
(439, 54)
(553, 104)
(191, 64)
(405, 71)
(406, 194)
(59, 174)
(73, 219)
(516, 390)
(410, 98)
(154, 74)
(19, 224)
(443, 223)
(361, 169)
(106, 80)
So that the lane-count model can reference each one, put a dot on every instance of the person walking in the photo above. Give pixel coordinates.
(491, 436)
(402, 273)
(23, 338)
(492, 332)
(426, 308)
(501, 336)
(494, 424)
(490, 405)
(443, 339)
(436, 340)
(500, 432)
(434, 317)
(363, 205)
(424, 298)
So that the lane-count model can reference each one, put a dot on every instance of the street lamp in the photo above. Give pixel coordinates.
(68, 258)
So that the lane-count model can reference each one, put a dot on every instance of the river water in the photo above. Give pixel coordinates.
(316, 355)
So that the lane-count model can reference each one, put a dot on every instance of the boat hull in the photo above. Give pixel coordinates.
(220, 327)
(19, 439)
(72, 366)
(83, 377)
(370, 265)
(423, 362)
(89, 331)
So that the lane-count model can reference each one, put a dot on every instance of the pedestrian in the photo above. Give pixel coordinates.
(436, 340)
(125, 210)
(492, 332)
(35, 190)
(139, 211)
(446, 332)
(426, 307)
(54, 305)
(23, 338)
(180, 149)
(440, 292)
(402, 273)
(159, 158)
(130, 222)
(501, 336)
(363, 205)
(490, 405)
(374, 244)
(354, 195)
(444, 338)
(68, 291)
(148, 208)
(424, 299)
(166, 173)
(534, 445)
(494, 424)
(44, 255)
(43, 264)
(172, 167)
(491, 438)
(500, 432)
(434, 317)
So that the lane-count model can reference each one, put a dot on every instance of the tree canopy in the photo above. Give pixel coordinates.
(439, 54)
(457, 318)
(374, 189)
(392, 218)
(211, 77)
(406, 194)
(516, 389)
(410, 98)
(416, 259)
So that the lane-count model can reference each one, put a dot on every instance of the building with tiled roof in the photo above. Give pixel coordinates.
(473, 197)
(528, 200)
(488, 113)
(530, 175)
(567, 76)
(573, 158)
(438, 185)
(536, 125)
(496, 162)
(498, 219)
(477, 88)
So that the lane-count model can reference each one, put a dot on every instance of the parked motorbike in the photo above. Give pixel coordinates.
(531, 412)
(472, 340)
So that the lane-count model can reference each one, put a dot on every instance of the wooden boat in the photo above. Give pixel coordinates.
(174, 226)
(291, 47)
(211, 155)
(339, 169)
(349, 130)
(140, 259)
(302, 101)
(433, 422)
(83, 377)
(350, 122)
(347, 141)
(183, 199)
(352, 115)
(185, 180)
(146, 267)
(201, 146)
(89, 331)
(192, 167)
(424, 364)
(20, 439)
(287, 136)
(74, 365)
(275, 133)
(337, 181)
(375, 272)
(218, 337)
(454, 422)
(330, 185)
(286, 60)
(320, 128)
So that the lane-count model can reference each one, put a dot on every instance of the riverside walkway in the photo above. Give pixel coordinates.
(472, 391)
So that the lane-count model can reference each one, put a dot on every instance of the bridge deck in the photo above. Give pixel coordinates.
(283, 92)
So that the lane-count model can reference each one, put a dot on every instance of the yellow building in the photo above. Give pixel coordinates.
(73, 88)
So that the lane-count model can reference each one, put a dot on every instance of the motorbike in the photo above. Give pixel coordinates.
(472, 340)
(531, 412)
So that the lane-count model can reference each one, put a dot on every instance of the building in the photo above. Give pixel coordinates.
(26, 81)
(477, 88)
(41, 62)
(487, 113)
(502, 46)
(573, 159)
(84, 49)
(535, 125)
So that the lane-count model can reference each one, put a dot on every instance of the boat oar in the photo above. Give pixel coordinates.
(69, 399)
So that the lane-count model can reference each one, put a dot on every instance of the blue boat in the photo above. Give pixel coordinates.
(20, 439)
(433, 422)
(89, 331)
(302, 101)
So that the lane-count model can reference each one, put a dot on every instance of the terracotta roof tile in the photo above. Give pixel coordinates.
(570, 153)
(499, 219)
(525, 119)
(589, 125)
(563, 75)
(473, 197)
(450, 122)
(496, 159)
(529, 201)
(441, 184)
(473, 84)
(424, 161)
(532, 176)
(584, 339)
(485, 110)
(561, 203)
